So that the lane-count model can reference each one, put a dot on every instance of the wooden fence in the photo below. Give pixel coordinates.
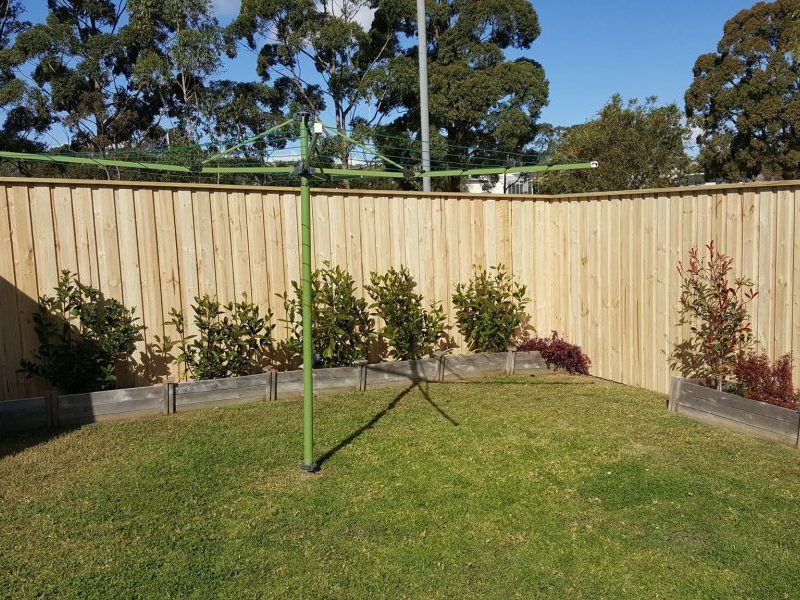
(600, 269)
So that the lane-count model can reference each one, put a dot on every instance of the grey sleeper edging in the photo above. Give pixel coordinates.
(734, 412)
(175, 397)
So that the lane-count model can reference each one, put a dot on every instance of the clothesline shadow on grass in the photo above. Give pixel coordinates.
(415, 385)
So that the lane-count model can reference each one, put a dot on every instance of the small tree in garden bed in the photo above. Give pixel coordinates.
(490, 309)
(411, 330)
(233, 339)
(714, 305)
(342, 326)
(759, 380)
(82, 336)
(559, 353)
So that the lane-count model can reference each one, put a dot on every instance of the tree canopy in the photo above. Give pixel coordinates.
(745, 97)
(480, 101)
(638, 145)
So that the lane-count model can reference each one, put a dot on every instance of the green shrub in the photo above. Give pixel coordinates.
(714, 305)
(342, 328)
(233, 339)
(490, 309)
(411, 330)
(82, 336)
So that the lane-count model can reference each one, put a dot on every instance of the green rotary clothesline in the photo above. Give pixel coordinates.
(305, 170)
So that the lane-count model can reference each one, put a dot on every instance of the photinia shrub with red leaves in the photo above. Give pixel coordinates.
(714, 305)
(559, 353)
(757, 379)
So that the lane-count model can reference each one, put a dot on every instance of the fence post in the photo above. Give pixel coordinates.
(166, 404)
(511, 360)
(440, 354)
(674, 394)
(362, 374)
(797, 443)
(272, 384)
(51, 409)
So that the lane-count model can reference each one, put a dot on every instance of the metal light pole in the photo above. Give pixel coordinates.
(305, 280)
(422, 54)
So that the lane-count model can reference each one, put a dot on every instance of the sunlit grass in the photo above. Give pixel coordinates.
(516, 487)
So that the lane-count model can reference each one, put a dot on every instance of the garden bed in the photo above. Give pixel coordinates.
(734, 412)
(176, 397)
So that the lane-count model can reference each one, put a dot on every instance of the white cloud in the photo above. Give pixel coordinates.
(226, 8)
(358, 10)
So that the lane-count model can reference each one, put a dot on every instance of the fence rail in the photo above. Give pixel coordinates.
(600, 268)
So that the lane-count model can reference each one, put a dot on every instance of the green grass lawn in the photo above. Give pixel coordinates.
(552, 487)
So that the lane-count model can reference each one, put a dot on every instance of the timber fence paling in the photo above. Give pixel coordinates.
(599, 268)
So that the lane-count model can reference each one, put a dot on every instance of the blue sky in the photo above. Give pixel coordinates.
(589, 50)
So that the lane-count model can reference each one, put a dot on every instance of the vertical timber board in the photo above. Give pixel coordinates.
(129, 271)
(427, 256)
(490, 231)
(66, 254)
(503, 235)
(751, 219)
(291, 240)
(527, 274)
(240, 253)
(411, 235)
(321, 231)
(105, 217)
(204, 243)
(341, 231)
(168, 266)
(614, 237)
(541, 250)
(663, 294)
(349, 233)
(22, 247)
(257, 251)
(574, 331)
(796, 286)
(453, 267)
(44, 238)
(383, 252)
(476, 230)
(765, 301)
(276, 260)
(150, 277)
(784, 259)
(673, 277)
(10, 342)
(606, 300)
(465, 254)
(187, 254)
(439, 267)
(85, 239)
(397, 229)
(223, 257)
(582, 291)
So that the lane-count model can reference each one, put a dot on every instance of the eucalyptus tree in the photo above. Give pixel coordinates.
(330, 55)
(82, 57)
(745, 97)
(638, 145)
(182, 53)
(25, 108)
(481, 100)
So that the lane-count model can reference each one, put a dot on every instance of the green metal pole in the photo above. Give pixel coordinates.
(305, 278)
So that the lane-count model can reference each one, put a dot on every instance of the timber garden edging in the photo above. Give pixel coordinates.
(176, 397)
(686, 397)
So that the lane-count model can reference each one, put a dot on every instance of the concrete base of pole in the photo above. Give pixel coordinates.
(310, 469)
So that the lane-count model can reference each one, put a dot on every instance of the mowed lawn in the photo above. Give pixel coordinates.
(552, 487)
